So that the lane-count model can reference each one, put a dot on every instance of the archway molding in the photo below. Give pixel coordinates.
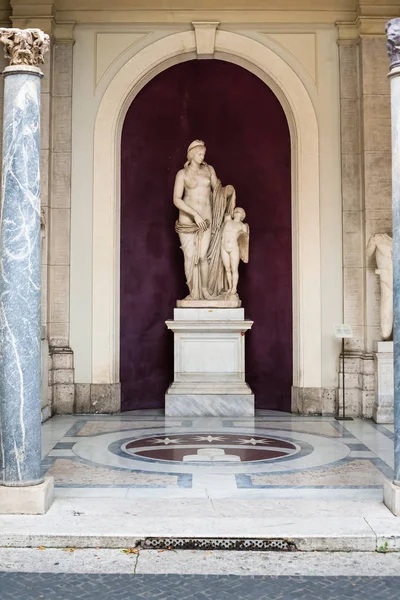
(302, 120)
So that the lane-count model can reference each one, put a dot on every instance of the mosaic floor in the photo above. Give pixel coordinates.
(144, 449)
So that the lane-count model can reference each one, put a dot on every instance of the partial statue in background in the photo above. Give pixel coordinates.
(203, 205)
(382, 245)
(235, 246)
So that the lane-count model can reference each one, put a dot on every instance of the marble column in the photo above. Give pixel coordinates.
(392, 489)
(20, 314)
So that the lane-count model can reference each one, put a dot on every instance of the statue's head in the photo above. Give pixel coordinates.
(196, 151)
(239, 213)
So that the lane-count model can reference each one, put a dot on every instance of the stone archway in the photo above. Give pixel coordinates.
(302, 120)
(248, 143)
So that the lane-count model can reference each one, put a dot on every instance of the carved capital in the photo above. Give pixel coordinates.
(24, 46)
(392, 29)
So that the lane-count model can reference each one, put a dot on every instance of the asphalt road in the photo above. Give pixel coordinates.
(66, 586)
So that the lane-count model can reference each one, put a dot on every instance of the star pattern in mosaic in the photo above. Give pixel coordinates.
(191, 448)
(210, 438)
(271, 451)
(166, 441)
(254, 442)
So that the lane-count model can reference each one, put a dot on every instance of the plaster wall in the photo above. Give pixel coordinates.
(311, 53)
(366, 189)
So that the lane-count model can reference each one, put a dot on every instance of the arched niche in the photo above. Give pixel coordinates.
(301, 116)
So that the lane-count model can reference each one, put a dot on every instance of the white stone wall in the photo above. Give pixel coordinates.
(366, 192)
(348, 97)
(318, 49)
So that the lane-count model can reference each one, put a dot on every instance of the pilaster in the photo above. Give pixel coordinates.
(392, 491)
(366, 191)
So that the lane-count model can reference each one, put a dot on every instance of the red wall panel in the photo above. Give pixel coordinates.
(248, 144)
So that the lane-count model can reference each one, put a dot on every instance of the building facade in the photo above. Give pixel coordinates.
(314, 75)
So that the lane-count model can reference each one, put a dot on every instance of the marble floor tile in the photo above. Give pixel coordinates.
(373, 439)
(144, 454)
(60, 452)
(90, 492)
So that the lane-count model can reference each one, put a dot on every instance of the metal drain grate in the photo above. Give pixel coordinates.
(219, 544)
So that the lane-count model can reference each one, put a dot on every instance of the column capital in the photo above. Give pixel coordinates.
(393, 42)
(24, 46)
(348, 32)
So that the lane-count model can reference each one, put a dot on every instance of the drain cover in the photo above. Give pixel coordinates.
(219, 544)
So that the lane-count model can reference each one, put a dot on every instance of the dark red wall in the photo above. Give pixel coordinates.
(248, 144)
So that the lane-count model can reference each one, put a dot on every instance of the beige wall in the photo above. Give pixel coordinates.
(99, 54)
(366, 189)
(347, 94)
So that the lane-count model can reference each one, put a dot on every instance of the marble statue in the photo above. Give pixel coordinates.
(203, 204)
(382, 245)
(24, 46)
(234, 246)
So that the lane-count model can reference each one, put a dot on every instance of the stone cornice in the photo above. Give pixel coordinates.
(246, 12)
(225, 17)
(41, 14)
(378, 8)
(60, 32)
(348, 33)
(362, 27)
(63, 32)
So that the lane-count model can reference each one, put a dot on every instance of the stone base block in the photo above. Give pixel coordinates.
(391, 497)
(384, 383)
(105, 398)
(233, 302)
(383, 413)
(29, 500)
(209, 405)
(45, 413)
(307, 401)
(209, 366)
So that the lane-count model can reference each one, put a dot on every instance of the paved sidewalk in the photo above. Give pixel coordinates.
(315, 524)
(194, 562)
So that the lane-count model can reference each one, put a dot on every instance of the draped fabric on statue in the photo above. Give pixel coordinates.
(190, 236)
(223, 202)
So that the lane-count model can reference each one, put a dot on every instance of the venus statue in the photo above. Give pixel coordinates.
(382, 245)
(203, 204)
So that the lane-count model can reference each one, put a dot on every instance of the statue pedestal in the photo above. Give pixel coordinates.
(231, 303)
(384, 383)
(209, 371)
